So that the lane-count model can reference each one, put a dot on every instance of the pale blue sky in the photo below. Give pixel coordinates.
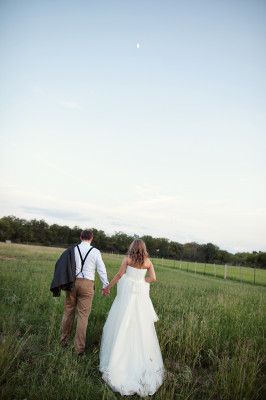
(167, 139)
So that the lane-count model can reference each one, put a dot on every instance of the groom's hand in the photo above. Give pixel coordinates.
(105, 292)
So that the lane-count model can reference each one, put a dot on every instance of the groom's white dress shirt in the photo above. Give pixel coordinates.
(93, 261)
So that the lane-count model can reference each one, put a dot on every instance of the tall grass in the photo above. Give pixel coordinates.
(211, 334)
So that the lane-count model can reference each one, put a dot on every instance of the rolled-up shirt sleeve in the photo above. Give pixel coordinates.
(101, 270)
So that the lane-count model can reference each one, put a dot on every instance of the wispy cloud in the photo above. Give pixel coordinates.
(72, 105)
(144, 188)
(157, 203)
(46, 162)
(56, 213)
(51, 97)
(120, 224)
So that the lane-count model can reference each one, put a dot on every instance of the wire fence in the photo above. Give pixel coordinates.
(255, 276)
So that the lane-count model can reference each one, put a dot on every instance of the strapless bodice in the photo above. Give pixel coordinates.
(135, 274)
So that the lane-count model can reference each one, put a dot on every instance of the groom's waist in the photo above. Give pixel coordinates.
(87, 279)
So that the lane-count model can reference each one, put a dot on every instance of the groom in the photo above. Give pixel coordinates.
(87, 259)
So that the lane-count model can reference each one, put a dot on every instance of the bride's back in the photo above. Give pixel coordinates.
(145, 265)
(136, 274)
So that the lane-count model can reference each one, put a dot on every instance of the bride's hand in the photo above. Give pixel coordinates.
(105, 292)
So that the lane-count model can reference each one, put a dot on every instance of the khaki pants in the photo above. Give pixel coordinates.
(81, 297)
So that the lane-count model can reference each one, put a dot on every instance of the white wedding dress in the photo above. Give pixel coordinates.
(130, 356)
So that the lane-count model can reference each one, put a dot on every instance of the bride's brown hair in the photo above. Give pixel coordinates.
(137, 251)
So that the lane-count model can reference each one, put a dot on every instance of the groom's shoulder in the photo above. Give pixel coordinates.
(96, 251)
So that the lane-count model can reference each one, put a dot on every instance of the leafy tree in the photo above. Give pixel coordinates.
(261, 259)
(35, 231)
(150, 244)
(251, 260)
(120, 242)
(192, 251)
(175, 250)
(163, 245)
(6, 228)
(100, 240)
(211, 252)
(223, 256)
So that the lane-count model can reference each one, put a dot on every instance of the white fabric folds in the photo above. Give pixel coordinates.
(130, 356)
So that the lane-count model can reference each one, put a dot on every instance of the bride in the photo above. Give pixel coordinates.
(130, 356)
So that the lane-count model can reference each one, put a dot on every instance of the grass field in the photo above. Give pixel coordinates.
(211, 333)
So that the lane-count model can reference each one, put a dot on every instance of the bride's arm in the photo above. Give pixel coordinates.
(118, 275)
(152, 276)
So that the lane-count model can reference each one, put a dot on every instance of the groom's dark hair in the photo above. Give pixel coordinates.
(86, 234)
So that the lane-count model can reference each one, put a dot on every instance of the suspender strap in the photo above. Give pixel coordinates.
(83, 260)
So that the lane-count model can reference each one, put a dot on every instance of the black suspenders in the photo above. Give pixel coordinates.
(83, 261)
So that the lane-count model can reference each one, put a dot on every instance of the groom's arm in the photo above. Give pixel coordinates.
(101, 270)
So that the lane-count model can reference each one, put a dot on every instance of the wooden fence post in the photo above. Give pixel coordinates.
(225, 271)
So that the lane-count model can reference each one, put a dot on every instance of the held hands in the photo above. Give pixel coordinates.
(105, 292)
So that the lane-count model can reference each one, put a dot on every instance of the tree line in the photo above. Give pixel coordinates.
(39, 232)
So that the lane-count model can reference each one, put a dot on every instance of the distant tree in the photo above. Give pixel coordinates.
(163, 245)
(201, 253)
(54, 233)
(75, 234)
(150, 244)
(120, 242)
(211, 252)
(223, 256)
(251, 260)
(38, 231)
(64, 235)
(7, 228)
(175, 250)
(240, 258)
(261, 260)
(100, 240)
(192, 252)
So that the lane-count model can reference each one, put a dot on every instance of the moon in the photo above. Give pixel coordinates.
(138, 45)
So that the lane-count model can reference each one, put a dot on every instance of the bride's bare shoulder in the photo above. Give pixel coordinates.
(148, 263)
(128, 259)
